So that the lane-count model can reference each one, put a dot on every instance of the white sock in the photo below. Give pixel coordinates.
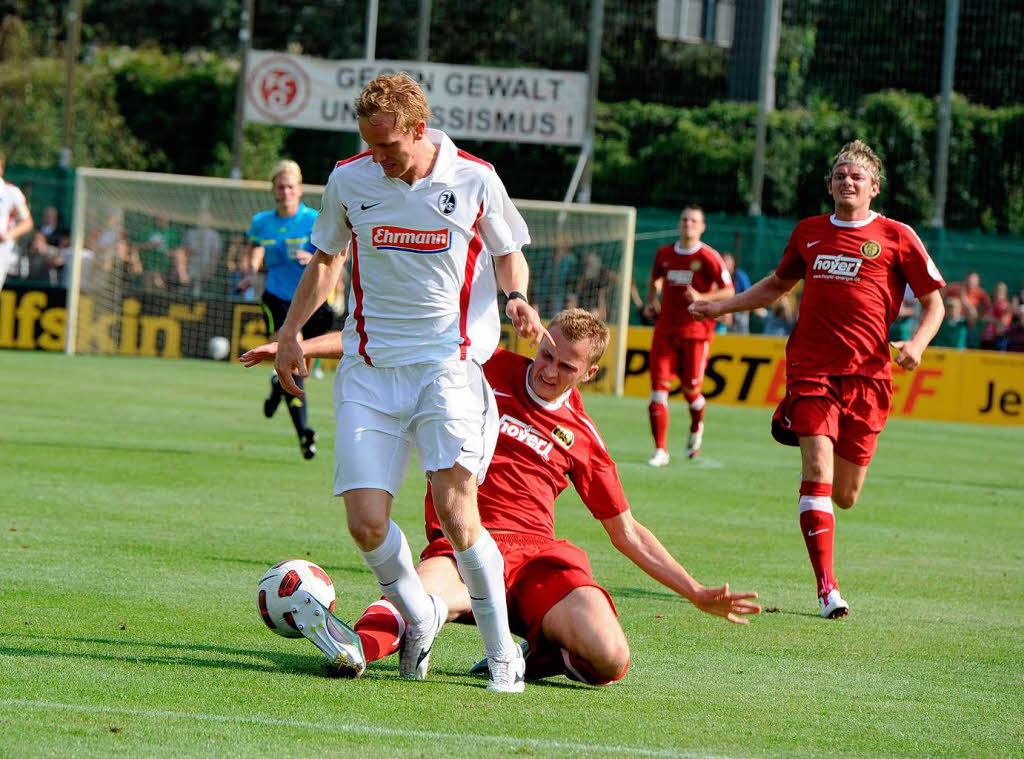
(483, 570)
(391, 563)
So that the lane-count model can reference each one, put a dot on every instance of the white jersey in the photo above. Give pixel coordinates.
(423, 287)
(13, 209)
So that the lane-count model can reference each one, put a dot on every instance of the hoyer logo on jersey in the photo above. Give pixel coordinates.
(679, 276)
(411, 240)
(524, 433)
(839, 267)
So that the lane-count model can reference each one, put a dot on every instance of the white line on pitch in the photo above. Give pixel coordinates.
(503, 740)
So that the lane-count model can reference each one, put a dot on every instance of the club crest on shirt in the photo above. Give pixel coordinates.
(695, 266)
(563, 437)
(411, 240)
(524, 433)
(446, 202)
(870, 249)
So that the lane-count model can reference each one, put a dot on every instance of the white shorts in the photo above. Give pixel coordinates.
(446, 409)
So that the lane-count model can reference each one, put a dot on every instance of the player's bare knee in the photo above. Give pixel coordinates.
(845, 498)
(367, 534)
(614, 661)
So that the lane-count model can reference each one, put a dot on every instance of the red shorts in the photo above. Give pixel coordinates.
(682, 357)
(849, 409)
(539, 572)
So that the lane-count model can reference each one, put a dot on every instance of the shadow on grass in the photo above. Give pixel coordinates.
(227, 448)
(359, 569)
(274, 662)
(660, 595)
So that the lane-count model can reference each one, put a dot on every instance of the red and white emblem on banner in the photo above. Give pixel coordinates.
(279, 88)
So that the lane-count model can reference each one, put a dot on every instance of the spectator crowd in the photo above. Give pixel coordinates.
(160, 256)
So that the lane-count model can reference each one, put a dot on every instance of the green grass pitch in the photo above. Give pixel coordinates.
(140, 501)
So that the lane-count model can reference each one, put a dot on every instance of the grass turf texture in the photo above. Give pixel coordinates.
(142, 499)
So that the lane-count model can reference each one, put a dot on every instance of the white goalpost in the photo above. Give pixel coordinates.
(161, 265)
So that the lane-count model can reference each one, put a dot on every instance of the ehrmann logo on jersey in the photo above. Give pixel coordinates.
(411, 240)
(524, 433)
(842, 267)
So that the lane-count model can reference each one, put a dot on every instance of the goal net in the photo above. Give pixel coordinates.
(164, 266)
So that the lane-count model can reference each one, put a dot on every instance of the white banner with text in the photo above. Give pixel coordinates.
(469, 102)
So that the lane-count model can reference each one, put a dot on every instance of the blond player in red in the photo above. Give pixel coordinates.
(684, 272)
(855, 265)
(545, 441)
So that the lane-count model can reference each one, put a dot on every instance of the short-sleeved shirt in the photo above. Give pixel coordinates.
(542, 447)
(423, 286)
(13, 209)
(702, 268)
(281, 238)
(855, 274)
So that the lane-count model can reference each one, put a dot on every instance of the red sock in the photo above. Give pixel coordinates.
(380, 630)
(659, 424)
(697, 412)
(818, 526)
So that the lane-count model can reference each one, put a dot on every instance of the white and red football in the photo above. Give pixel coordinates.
(273, 598)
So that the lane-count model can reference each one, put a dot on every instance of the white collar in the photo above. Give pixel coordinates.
(548, 405)
(853, 224)
(686, 251)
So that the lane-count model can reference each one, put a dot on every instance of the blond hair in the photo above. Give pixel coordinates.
(286, 166)
(395, 94)
(860, 153)
(577, 325)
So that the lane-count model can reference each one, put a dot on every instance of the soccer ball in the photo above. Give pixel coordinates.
(273, 598)
(220, 347)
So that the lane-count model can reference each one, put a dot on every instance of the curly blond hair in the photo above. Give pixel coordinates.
(860, 153)
(577, 324)
(396, 94)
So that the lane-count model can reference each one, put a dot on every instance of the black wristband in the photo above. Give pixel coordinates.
(516, 294)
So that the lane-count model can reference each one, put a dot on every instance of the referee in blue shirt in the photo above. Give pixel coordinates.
(280, 245)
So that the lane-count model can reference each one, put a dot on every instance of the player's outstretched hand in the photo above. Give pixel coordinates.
(526, 322)
(258, 355)
(289, 362)
(733, 606)
(908, 355)
(704, 309)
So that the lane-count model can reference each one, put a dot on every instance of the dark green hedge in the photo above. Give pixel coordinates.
(660, 155)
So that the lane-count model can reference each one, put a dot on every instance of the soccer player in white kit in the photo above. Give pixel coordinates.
(15, 220)
(430, 228)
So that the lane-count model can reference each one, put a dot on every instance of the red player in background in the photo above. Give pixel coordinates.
(684, 272)
(855, 265)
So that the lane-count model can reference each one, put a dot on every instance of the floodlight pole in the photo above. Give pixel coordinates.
(765, 102)
(584, 167)
(423, 38)
(72, 37)
(370, 44)
(244, 45)
(945, 113)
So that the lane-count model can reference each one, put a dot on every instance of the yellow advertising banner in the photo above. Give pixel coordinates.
(953, 385)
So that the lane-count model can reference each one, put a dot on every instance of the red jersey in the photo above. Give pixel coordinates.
(855, 274)
(542, 446)
(700, 267)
